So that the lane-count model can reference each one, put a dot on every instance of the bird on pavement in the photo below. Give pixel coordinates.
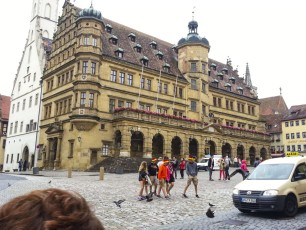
(8, 184)
(210, 213)
(49, 182)
(211, 205)
(118, 203)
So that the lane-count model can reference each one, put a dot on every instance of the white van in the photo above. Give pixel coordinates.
(277, 184)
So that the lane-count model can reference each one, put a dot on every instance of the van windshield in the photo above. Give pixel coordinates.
(271, 172)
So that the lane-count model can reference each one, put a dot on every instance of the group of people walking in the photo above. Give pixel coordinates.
(158, 177)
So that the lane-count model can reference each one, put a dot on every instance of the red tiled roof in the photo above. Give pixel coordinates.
(5, 102)
(296, 112)
(273, 105)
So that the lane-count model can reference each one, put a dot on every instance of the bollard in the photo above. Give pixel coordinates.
(69, 172)
(101, 173)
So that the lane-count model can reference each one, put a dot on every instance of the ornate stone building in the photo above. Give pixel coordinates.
(112, 91)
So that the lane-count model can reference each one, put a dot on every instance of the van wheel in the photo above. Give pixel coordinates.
(244, 210)
(291, 207)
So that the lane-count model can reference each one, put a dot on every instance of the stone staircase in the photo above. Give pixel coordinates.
(119, 165)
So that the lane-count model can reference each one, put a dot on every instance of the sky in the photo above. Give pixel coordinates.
(269, 35)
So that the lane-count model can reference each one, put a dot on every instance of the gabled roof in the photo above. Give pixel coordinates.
(296, 112)
(273, 105)
(5, 102)
(274, 121)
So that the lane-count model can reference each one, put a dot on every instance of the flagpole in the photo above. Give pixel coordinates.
(141, 76)
(158, 89)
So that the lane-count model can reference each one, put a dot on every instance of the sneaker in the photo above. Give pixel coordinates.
(158, 196)
(167, 197)
(184, 195)
(149, 199)
(211, 179)
(140, 198)
(197, 196)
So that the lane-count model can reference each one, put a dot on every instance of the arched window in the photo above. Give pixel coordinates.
(46, 34)
(48, 10)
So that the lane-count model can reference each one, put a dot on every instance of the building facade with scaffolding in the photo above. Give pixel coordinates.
(112, 91)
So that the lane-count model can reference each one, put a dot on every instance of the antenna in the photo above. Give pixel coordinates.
(193, 13)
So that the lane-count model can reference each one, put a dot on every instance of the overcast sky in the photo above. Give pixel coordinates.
(270, 35)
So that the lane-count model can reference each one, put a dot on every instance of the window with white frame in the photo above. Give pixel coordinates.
(113, 75)
(122, 78)
(105, 149)
(130, 79)
(193, 106)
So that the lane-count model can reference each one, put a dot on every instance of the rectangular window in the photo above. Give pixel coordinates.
(23, 104)
(203, 68)
(303, 122)
(122, 78)
(193, 84)
(203, 87)
(13, 108)
(12, 158)
(193, 106)
(19, 86)
(130, 79)
(11, 128)
(304, 134)
(159, 87)
(94, 41)
(293, 148)
(86, 41)
(16, 127)
(165, 88)
(18, 103)
(120, 103)
(292, 135)
(297, 123)
(193, 67)
(286, 124)
(85, 67)
(148, 108)
(105, 149)
(31, 125)
(288, 148)
(287, 136)
(113, 75)
(21, 127)
(180, 95)
(149, 84)
(93, 68)
(142, 83)
(82, 99)
(111, 105)
(91, 100)
(219, 102)
(204, 109)
(129, 104)
(30, 102)
(299, 147)
(291, 123)
(36, 99)
(298, 135)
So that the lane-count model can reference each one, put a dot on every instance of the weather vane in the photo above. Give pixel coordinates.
(193, 13)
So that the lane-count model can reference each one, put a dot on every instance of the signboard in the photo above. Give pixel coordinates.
(292, 154)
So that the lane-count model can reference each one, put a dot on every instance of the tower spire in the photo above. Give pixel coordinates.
(247, 79)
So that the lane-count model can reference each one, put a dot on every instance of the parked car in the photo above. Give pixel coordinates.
(277, 184)
(202, 164)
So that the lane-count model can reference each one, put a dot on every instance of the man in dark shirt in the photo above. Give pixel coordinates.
(211, 166)
(152, 171)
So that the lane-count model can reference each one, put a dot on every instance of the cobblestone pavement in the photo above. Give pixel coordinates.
(175, 213)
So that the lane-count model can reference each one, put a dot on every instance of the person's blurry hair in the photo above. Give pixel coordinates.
(49, 209)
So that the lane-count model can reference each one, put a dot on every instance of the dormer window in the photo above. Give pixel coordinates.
(240, 90)
(228, 87)
(137, 48)
(132, 37)
(113, 39)
(160, 55)
(144, 60)
(213, 66)
(108, 28)
(119, 53)
(153, 45)
(166, 68)
(215, 83)
(220, 75)
(232, 80)
(225, 71)
(174, 48)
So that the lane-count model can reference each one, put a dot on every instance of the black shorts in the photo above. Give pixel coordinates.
(171, 179)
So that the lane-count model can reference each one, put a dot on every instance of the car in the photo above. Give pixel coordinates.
(277, 184)
(203, 164)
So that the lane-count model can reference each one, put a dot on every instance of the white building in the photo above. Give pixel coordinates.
(23, 125)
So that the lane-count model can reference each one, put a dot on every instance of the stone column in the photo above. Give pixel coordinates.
(58, 154)
(125, 143)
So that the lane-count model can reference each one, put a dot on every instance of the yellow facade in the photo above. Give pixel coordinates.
(93, 110)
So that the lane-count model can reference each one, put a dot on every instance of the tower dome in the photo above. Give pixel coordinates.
(193, 37)
(90, 13)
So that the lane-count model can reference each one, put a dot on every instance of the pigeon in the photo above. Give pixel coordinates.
(211, 205)
(8, 184)
(210, 213)
(49, 182)
(118, 203)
